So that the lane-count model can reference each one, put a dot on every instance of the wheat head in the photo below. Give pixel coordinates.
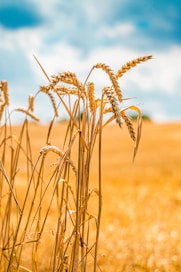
(91, 97)
(129, 125)
(4, 89)
(113, 100)
(30, 114)
(112, 77)
(67, 77)
(131, 64)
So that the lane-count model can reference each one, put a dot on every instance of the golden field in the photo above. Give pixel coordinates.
(141, 214)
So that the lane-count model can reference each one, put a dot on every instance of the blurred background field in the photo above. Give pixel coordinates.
(141, 218)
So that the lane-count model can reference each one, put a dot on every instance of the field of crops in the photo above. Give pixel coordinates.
(141, 213)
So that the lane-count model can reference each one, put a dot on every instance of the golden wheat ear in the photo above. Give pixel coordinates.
(112, 78)
(129, 124)
(91, 97)
(28, 113)
(113, 100)
(139, 129)
(131, 64)
(4, 89)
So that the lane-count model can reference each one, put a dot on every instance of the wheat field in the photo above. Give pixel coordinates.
(84, 194)
(141, 214)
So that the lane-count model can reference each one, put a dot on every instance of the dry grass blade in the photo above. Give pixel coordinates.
(2, 170)
(131, 64)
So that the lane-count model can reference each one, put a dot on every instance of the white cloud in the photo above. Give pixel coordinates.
(120, 29)
(162, 74)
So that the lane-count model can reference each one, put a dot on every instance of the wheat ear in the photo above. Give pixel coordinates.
(112, 77)
(69, 78)
(131, 64)
(59, 152)
(1, 110)
(129, 125)
(31, 102)
(4, 88)
(29, 114)
(46, 89)
(114, 103)
(91, 97)
(62, 90)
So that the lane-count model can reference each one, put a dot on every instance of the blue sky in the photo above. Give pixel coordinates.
(74, 35)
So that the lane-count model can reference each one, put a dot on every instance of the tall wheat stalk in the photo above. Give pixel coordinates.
(68, 190)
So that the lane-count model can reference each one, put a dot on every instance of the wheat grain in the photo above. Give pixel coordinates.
(114, 103)
(131, 64)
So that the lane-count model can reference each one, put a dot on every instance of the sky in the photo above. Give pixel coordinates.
(74, 35)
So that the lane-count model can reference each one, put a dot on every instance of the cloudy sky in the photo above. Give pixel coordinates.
(74, 35)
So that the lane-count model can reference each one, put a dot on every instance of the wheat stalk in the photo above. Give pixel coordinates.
(72, 244)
